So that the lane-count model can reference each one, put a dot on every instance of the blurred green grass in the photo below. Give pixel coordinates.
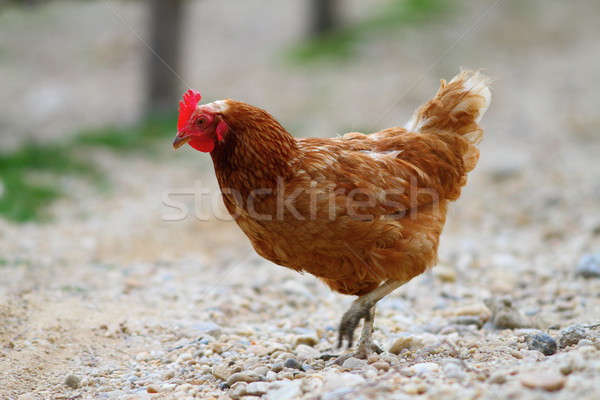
(24, 197)
(30, 177)
(341, 43)
(141, 137)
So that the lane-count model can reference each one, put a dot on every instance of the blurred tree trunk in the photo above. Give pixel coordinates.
(165, 39)
(324, 17)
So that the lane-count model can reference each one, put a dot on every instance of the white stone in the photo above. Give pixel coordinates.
(288, 390)
(305, 352)
(426, 368)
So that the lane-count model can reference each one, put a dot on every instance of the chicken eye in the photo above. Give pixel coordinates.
(201, 121)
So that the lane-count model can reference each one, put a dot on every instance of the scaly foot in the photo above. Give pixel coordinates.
(363, 351)
(363, 308)
(350, 321)
(365, 347)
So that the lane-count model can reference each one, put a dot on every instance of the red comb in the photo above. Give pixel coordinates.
(187, 107)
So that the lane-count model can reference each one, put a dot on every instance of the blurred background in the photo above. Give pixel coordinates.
(82, 78)
(88, 98)
(90, 91)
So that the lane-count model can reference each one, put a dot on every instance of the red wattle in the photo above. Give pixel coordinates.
(202, 143)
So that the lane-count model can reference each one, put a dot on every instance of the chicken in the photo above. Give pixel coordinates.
(362, 212)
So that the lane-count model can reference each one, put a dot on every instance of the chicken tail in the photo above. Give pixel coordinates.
(458, 106)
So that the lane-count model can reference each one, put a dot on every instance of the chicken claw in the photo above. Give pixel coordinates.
(363, 308)
(365, 347)
(351, 319)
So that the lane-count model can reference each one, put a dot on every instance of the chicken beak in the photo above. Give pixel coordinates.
(180, 141)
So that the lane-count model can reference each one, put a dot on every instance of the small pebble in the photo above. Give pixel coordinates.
(395, 346)
(249, 376)
(285, 375)
(454, 371)
(284, 356)
(354, 364)
(373, 358)
(589, 351)
(168, 375)
(589, 266)
(106, 388)
(206, 360)
(415, 388)
(426, 368)
(585, 342)
(505, 315)
(288, 390)
(153, 389)
(238, 390)
(258, 350)
(209, 328)
(305, 352)
(381, 365)
(222, 372)
(168, 387)
(293, 364)
(576, 362)
(498, 377)
(334, 380)
(549, 381)
(252, 363)
(143, 356)
(571, 335)
(515, 353)
(467, 320)
(277, 367)
(184, 357)
(306, 339)
(271, 376)
(473, 310)
(445, 273)
(261, 370)
(72, 381)
(541, 342)
(257, 388)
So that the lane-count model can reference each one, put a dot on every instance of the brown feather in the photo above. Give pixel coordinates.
(363, 208)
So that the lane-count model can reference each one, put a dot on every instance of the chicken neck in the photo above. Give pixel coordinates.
(254, 158)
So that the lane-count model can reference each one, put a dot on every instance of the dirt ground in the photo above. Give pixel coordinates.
(114, 299)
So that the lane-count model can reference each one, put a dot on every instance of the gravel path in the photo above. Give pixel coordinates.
(112, 301)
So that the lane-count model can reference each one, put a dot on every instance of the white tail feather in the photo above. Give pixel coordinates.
(467, 93)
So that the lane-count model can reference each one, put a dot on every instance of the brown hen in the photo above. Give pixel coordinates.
(363, 213)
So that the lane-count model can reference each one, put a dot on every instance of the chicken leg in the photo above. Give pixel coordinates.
(363, 308)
